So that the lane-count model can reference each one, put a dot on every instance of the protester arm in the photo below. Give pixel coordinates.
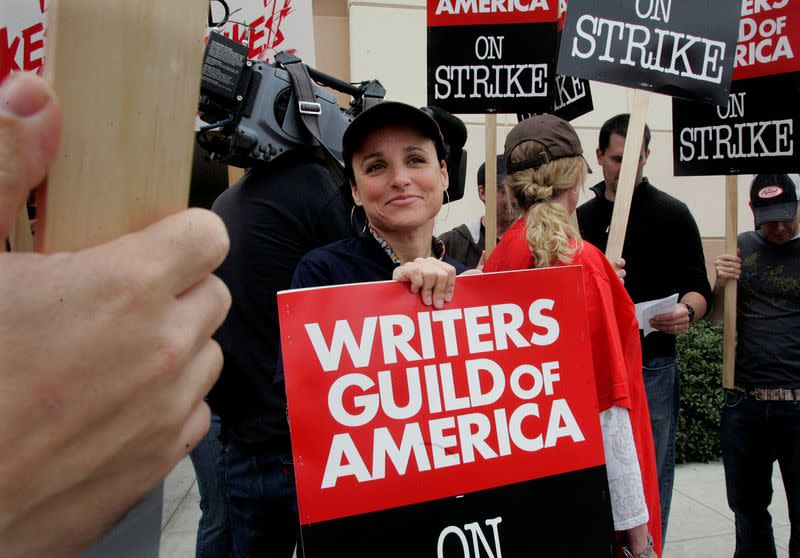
(622, 466)
(690, 265)
(728, 267)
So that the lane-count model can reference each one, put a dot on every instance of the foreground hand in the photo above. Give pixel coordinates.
(728, 267)
(434, 280)
(675, 322)
(29, 116)
(105, 355)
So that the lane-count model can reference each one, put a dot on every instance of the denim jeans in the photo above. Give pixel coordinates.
(262, 503)
(662, 384)
(753, 435)
(213, 530)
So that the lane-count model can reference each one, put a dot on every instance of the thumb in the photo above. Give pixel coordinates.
(30, 126)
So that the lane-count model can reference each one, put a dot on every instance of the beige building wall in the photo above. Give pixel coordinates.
(332, 40)
(386, 40)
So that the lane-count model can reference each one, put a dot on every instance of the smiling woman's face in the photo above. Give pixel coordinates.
(398, 179)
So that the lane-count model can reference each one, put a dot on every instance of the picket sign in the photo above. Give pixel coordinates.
(627, 175)
(490, 219)
(731, 245)
(514, 49)
(128, 77)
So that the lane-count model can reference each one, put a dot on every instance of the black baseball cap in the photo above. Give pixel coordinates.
(388, 113)
(556, 135)
(773, 197)
(501, 172)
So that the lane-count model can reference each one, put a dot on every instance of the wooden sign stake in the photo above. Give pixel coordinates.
(627, 176)
(128, 77)
(127, 74)
(490, 221)
(21, 239)
(731, 246)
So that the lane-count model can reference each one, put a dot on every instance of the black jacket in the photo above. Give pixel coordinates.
(275, 215)
(663, 252)
(459, 245)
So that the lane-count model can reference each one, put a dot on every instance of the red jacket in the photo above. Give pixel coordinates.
(616, 350)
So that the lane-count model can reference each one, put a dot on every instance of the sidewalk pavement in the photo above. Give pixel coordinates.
(700, 525)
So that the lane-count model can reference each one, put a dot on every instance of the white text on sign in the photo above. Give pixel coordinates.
(477, 537)
(771, 138)
(495, 81)
(455, 7)
(437, 429)
(660, 50)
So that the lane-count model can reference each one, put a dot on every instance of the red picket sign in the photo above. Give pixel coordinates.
(393, 403)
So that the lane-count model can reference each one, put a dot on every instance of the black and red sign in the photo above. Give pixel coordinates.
(492, 56)
(678, 48)
(758, 129)
(424, 432)
(573, 98)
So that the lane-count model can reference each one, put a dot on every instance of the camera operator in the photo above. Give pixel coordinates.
(275, 214)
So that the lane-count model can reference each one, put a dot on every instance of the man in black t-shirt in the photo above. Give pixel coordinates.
(761, 418)
(275, 214)
(663, 256)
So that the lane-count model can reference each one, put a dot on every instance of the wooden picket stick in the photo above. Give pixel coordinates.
(21, 238)
(731, 246)
(490, 220)
(127, 74)
(627, 176)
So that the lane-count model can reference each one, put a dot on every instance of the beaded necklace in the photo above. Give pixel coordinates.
(437, 246)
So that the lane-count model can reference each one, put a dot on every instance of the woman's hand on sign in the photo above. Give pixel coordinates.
(433, 279)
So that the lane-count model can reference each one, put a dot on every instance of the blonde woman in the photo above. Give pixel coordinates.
(545, 171)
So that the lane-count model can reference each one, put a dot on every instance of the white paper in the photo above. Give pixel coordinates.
(649, 308)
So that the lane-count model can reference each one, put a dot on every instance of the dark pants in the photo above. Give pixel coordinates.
(662, 384)
(753, 435)
(262, 502)
(213, 531)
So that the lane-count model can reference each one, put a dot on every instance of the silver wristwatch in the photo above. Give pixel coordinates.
(646, 553)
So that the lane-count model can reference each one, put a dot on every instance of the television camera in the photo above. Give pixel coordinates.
(256, 111)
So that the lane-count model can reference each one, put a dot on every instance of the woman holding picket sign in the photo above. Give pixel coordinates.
(545, 170)
(394, 157)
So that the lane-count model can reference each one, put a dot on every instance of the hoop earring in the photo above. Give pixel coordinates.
(447, 203)
(352, 220)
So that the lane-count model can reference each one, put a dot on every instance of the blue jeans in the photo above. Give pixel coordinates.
(262, 503)
(662, 384)
(213, 531)
(753, 435)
